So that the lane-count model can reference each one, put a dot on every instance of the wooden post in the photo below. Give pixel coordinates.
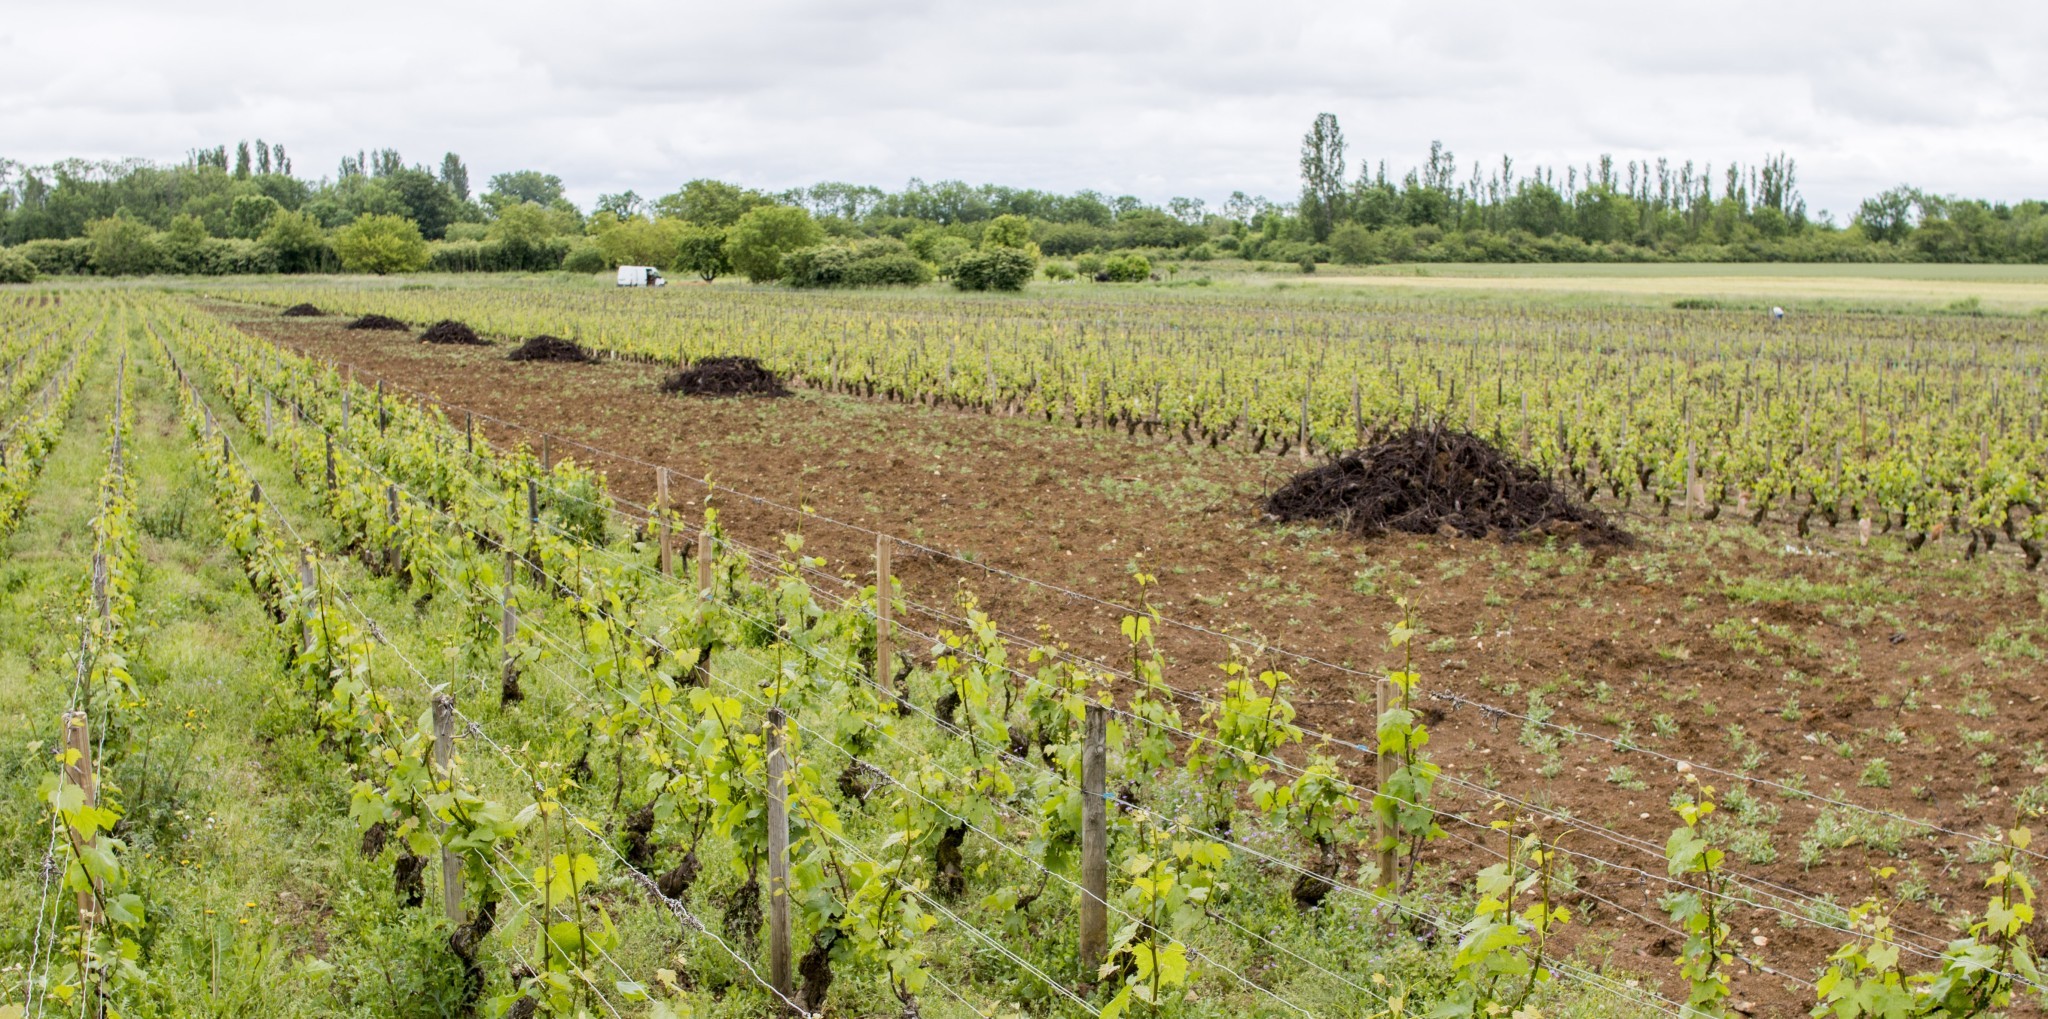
(392, 559)
(1094, 842)
(444, 756)
(330, 465)
(344, 406)
(885, 651)
(704, 562)
(778, 857)
(468, 433)
(1385, 775)
(661, 511)
(306, 588)
(78, 772)
(382, 418)
(508, 630)
(267, 425)
(547, 459)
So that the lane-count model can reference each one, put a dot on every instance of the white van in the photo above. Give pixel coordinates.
(640, 276)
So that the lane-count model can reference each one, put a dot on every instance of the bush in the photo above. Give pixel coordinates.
(1129, 267)
(15, 267)
(755, 245)
(123, 246)
(1058, 272)
(1089, 265)
(584, 258)
(1071, 238)
(69, 257)
(381, 244)
(871, 264)
(993, 269)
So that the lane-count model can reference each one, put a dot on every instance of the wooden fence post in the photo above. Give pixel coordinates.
(393, 561)
(1094, 841)
(330, 466)
(444, 756)
(885, 651)
(1385, 774)
(78, 772)
(306, 582)
(468, 432)
(508, 630)
(661, 511)
(704, 579)
(778, 857)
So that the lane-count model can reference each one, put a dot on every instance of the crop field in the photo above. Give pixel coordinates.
(347, 674)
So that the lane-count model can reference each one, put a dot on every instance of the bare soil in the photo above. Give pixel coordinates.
(1725, 645)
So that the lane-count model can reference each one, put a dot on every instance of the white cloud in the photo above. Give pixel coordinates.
(1152, 98)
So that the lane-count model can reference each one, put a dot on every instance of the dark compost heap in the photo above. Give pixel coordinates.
(450, 331)
(1437, 481)
(378, 322)
(724, 376)
(550, 348)
(302, 311)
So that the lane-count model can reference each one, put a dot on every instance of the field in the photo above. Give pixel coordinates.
(1830, 622)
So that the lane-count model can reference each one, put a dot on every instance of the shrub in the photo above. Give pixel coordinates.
(1089, 264)
(69, 257)
(870, 264)
(123, 246)
(15, 267)
(1129, 267)
(993, 269)
(584, 258)
(1058, 272)
(381, 244)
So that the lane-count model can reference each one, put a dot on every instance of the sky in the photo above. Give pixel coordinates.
(1191, 97)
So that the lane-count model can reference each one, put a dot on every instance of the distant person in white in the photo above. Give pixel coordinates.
(1777, 314)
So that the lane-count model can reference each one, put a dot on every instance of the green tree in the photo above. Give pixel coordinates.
(519, 186)
(1889, 216)
(249, 214)
(1007, 231)
(711, 203)
(381, 244)
(760, 238)
(1322, 174)
(295, 241)
(456, 176)
(993, 269)
(122, 246)
(701, 249)
(184, 246)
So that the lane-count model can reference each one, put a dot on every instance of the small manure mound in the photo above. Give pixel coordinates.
(1437, 481)
(550, 348)
(450, 331)
(378, 322)
(724, 376)
(302, 311)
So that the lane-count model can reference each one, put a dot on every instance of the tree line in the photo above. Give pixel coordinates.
(245, 211)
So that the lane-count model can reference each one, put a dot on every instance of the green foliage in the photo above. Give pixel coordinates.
(1402, 803)
(1129, 267)
(15, 267)
(760, 237)
(874, 263)
(296, 242)
(381, 245)
(711, 203)
(993, 269)
(701, 250)
(1700, 906)
(123, 246)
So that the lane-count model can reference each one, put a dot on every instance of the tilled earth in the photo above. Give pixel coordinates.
(1907, 684)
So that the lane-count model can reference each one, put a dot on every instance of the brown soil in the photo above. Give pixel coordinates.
(1708, 642)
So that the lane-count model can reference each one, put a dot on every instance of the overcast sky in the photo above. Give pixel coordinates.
(1188, 97)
